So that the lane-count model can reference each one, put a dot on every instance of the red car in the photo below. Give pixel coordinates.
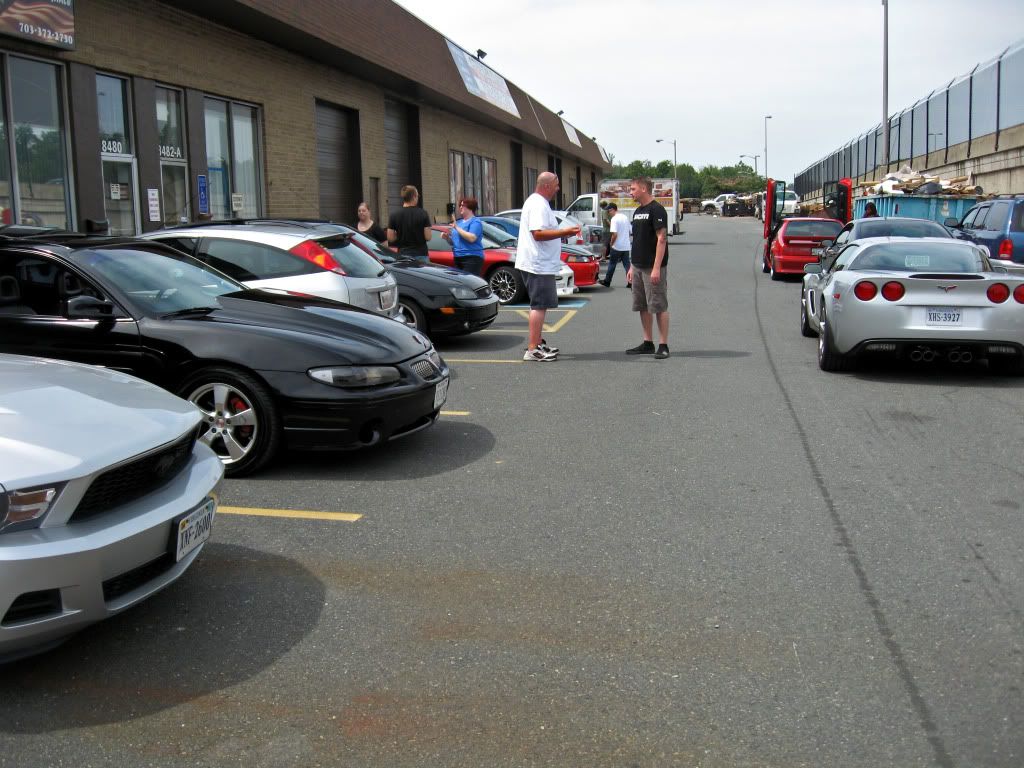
(585, 267)
(499, 265)
(792, 246)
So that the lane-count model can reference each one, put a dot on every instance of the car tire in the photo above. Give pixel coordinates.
(246, 447)
(764, 265)
(805, 326)
(412, 315)
(709, 209)
(771, 271)
(507, 284)
(828, 358)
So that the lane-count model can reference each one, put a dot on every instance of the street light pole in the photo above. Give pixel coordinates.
(766, 119)
(754, 158)
(885, 83)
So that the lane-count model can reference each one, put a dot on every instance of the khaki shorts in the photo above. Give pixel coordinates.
(648, 297)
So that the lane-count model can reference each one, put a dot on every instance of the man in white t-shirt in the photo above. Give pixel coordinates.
(620, 232)
(539, 258)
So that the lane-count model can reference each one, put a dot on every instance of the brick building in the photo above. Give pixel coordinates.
(143, 113)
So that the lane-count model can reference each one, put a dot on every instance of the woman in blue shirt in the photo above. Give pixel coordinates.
(467, 237)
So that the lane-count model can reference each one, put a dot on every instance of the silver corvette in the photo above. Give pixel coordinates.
(921, 299)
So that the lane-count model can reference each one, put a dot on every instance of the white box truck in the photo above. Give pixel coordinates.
(588, 209)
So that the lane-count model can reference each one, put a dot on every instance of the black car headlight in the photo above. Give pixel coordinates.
(27, 507)
(461, 292)
(356, 376)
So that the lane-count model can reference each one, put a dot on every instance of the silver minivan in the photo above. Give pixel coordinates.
(298, 256)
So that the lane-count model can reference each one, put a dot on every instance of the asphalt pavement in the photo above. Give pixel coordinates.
(726, 558)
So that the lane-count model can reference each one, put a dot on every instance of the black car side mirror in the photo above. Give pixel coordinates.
(812, 269)
(826, 243)
(952, 223)
(89, 308)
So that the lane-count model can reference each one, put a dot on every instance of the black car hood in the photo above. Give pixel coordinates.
(435, 274)
(310, 327)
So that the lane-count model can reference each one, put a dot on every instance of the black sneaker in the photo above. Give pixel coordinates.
(605, 283)
(647, 348)
(662, 352)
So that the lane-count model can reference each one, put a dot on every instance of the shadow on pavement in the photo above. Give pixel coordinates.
(450, 444)
(233, 613)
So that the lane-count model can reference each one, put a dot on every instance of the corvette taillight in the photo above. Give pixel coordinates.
(1005, 249)
(865, 290)
(893, 291)
(1018, 294)
(998, 293)
(310, 250)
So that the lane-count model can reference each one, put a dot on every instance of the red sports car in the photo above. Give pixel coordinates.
(792, 246)
(499, 265)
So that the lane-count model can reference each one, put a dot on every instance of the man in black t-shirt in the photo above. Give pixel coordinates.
(409, 226)
(649, 270)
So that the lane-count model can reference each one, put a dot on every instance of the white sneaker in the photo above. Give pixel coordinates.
(539, 355)
(545, 347)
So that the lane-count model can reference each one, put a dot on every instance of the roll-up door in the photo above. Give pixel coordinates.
(399, 121)
(337, 160)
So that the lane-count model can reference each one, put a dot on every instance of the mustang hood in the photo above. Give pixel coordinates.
(61, 420)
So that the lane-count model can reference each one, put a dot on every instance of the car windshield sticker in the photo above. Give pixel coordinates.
(917, 260)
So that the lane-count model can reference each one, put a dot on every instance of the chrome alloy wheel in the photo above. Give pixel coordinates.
(231, 422)
(503, 284)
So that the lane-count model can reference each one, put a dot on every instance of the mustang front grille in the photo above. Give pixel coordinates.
(135, 478)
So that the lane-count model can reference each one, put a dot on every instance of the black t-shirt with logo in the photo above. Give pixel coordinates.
(647, 220)
(409, 222)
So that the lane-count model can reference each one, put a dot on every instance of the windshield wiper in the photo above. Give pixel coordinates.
(189, 311)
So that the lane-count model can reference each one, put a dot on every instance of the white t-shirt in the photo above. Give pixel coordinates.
(623, 232)
(540, 258)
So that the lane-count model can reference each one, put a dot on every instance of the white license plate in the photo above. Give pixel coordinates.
(195, 528)
(943, 316)
(440, 393)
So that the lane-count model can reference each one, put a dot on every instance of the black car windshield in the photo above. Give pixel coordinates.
(354, 260)
(812, 228)
(158, 282)
(921, 257)
(897, 228)
(382, 254)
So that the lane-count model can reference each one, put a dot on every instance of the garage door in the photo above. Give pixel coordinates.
(396, 150)
(337, 160)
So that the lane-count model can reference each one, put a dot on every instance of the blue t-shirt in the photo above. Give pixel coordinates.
(464, 247)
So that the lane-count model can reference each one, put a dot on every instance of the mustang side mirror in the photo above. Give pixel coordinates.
(812, 269)
(827, 243)
(952, 223)
(89, 308)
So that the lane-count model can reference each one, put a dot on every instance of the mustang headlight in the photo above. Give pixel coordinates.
(356, 376)
(461, 292)
(27, 507)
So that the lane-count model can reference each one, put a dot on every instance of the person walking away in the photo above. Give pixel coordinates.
(409, 226)
(618, 244)
(467, 238)
(606, 221)
(538, 257)
(649, 271)
(367, 225)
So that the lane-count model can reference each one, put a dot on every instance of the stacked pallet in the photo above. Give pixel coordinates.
(904, 183)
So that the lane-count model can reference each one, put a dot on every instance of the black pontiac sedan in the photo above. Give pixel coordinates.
(266, 368)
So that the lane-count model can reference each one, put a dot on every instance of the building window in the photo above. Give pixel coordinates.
(117, 155)
(232, 158)
(473, 176)
(531, 180)
(33, 183)
(170, 126)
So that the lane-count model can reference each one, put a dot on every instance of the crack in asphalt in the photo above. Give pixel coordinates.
(899, 660)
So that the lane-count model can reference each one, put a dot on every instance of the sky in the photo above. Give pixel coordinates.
(706, 73)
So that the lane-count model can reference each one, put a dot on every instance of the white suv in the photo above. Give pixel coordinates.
(716, 205)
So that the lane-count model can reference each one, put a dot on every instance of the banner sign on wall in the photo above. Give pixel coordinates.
(50, 22)
(482, 81)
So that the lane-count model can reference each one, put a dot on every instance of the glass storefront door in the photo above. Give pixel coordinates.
(119, 205)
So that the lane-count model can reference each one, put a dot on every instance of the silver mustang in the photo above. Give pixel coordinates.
(918, 298)
(106, 497)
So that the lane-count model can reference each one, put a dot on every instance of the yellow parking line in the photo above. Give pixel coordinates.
(304, 514)
(455, 413)
(569, 314)
(478, 360)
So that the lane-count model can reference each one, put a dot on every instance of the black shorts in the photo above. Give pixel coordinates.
(541, 288)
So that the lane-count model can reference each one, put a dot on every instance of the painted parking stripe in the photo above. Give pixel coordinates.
(548, 327)
(572, 304)
(478, 360)
(301, 514)
(456, 413)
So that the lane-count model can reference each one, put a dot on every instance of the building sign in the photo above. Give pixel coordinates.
(571, 133)
(50, 22)
(204, 194)
(153, 196)
(482, 81)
